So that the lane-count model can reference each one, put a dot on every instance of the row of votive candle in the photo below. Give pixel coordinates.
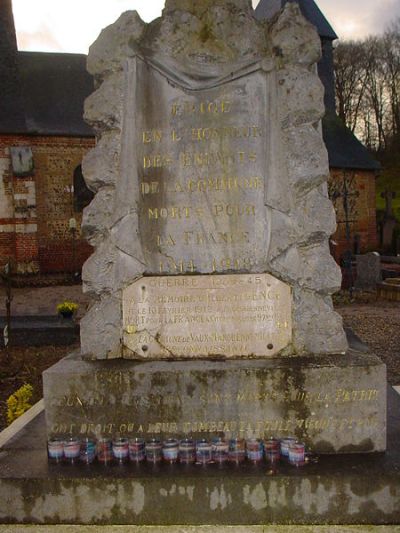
(186, 451)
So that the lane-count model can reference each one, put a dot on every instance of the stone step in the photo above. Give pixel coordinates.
(350, 489)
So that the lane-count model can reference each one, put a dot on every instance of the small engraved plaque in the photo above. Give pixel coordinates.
(241, 315)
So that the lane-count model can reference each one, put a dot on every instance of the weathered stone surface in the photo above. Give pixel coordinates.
(302, 97)
(313, 221)
(97, 217)
(127, 269)
(351, 489)
(124, 237)
(113, 45)
(207, 32)
(314, 317)
(284, 234)
(316, 217)
(321, 273)
(109, 270)
(294, 39)
(307, 158)
(200, 8)
(218, 164)
(101, 164)
(206, 316)
(334, 404)
(103, 109)
(208, 209)
(309, 267)
(100, 333)
(98, 271)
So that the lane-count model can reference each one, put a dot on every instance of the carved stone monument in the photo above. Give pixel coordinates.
(211, 276)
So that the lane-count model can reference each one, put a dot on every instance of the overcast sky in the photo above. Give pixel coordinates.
(72, 25)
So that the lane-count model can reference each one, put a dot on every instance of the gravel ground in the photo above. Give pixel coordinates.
(377, 323)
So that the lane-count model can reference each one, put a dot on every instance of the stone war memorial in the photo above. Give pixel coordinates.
(211, 276)
(211, 279)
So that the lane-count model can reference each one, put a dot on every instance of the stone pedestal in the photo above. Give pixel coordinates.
(352, 489)
(336, 404)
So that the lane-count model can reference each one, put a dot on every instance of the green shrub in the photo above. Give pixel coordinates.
(18, 403)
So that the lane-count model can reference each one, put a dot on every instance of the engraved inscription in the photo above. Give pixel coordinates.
(259, 428)
(202, 175)
(194, 316)
(319, 398)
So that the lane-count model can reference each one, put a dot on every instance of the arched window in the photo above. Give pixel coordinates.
(82, 195)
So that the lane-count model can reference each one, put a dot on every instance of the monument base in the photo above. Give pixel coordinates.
(350, 489)
(335, 404)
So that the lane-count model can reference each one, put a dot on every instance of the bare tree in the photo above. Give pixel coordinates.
(391, 51)
(367, 83)
(350, 78)
(377, 98)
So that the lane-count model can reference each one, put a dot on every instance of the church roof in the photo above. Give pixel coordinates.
(344, 149)
(43, 94)
(54, 89)
(266, 9)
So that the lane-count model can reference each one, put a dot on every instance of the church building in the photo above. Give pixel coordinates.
(42, 141)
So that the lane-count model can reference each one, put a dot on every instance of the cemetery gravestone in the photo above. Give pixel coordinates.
(211, 276)
(368, 270)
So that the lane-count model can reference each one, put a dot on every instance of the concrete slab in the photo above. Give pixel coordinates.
(351, 489)
(14, 428)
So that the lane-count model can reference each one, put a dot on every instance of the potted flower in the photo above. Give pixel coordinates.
(67, 309)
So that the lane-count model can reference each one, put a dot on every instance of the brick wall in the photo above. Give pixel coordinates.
(55, 162)
(7, 222)
(361, 189)
(35, 211)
